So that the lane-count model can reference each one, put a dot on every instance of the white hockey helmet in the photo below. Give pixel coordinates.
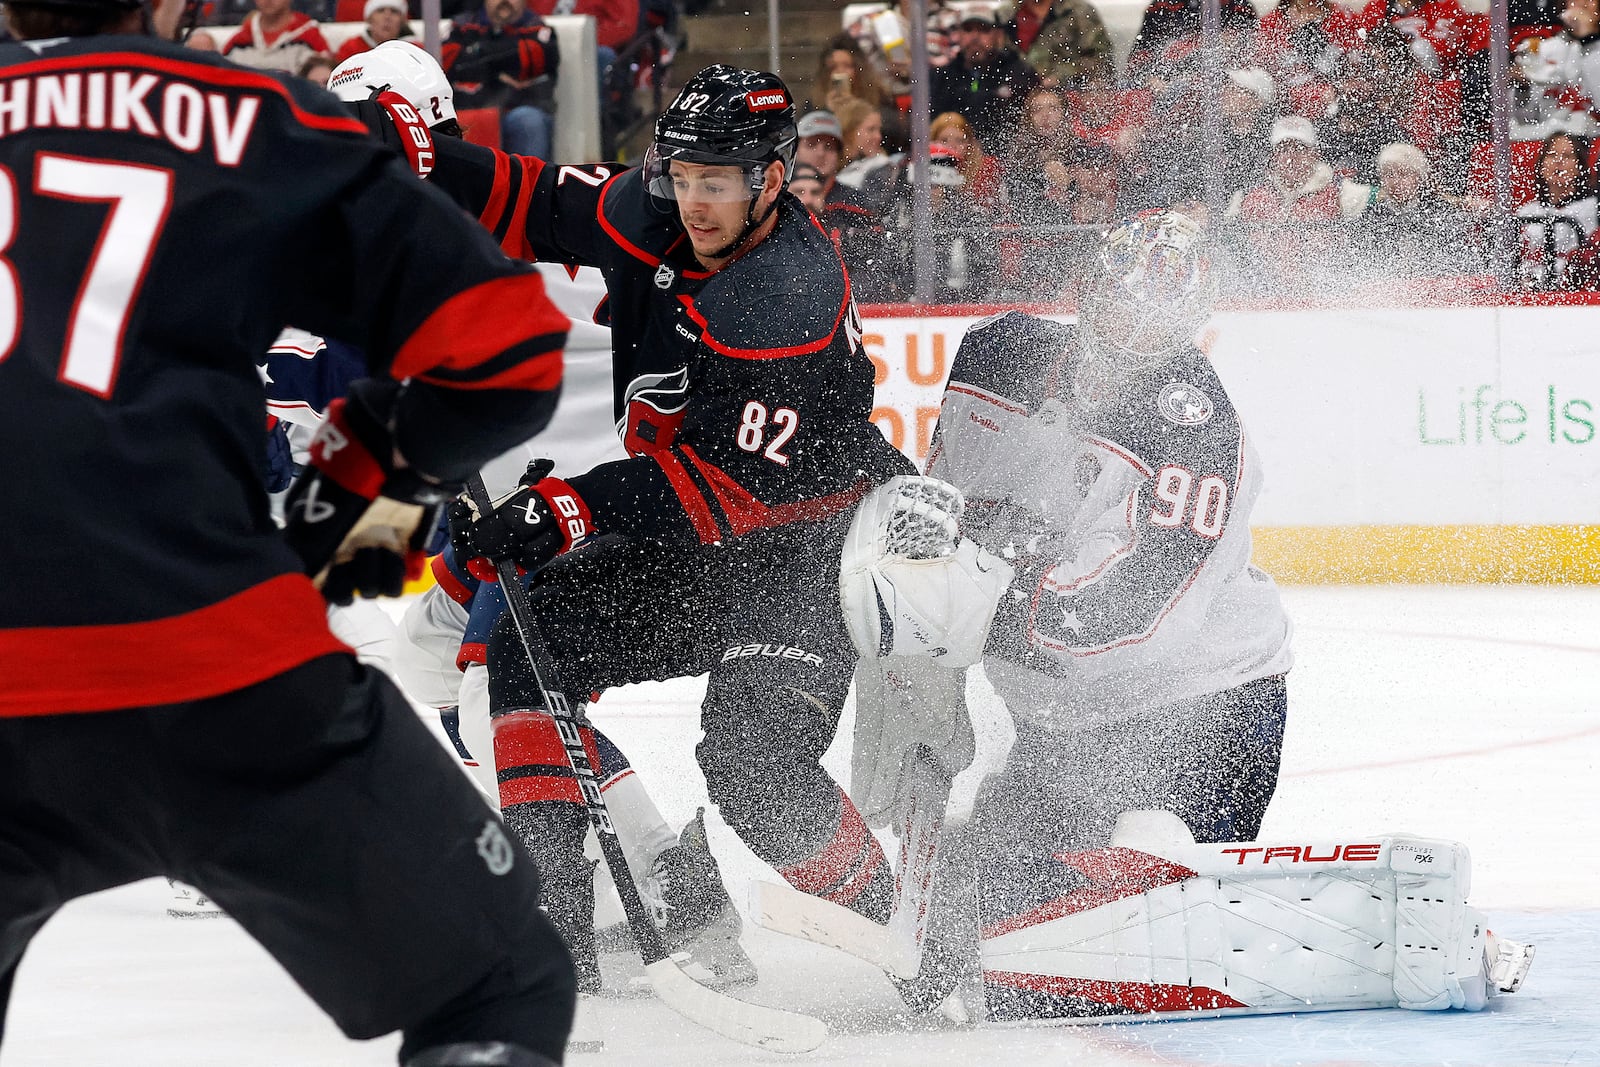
(1149, 289)
(402, 67)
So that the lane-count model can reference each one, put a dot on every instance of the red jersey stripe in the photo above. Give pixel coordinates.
(478, 324)
(517, 228)
(499, 192)
(235, 77)
(244, 639)
(762, 353)
(616, 235)
(689, 495)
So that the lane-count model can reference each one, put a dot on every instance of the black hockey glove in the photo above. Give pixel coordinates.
(391, 119)
(530, 526)
(358, 517)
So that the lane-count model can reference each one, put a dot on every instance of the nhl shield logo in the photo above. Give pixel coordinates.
(495, 848)
(665, 276)
(1184, 404)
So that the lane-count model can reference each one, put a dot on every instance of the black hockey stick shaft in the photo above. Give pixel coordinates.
(548, 681)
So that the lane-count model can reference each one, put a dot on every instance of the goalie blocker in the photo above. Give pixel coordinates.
(1158, 925)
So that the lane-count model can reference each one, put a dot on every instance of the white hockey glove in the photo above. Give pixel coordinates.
(909, 583)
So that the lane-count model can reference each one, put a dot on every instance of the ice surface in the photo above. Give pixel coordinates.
(1469, 713)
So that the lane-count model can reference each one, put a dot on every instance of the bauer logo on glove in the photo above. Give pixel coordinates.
(531, 525)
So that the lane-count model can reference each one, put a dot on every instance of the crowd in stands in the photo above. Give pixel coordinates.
(1330, 141)
(1329, 144)
(501, 56)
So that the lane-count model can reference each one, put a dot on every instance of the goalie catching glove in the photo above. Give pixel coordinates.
(359, 518)
(530, 526)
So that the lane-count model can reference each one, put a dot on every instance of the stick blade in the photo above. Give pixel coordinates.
(788, 911)
(755, 1025)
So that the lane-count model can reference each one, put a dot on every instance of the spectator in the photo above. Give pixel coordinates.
(1064, 41)
(1248, 106)
(821, 146)
(1063, 211)
(1373, 104)
(1409, 228)
(1292, 218)
(506, 57)
(843, 73)
(616, 22)
(1170, 162)
(201, 41)
(1562, 216)
(1169, 37)
(849, 215)
(983, 184)
(882, 35)
(1044, 134)
(276, 37)
(1100, 115)
(1574, 54)
(1302, 43)
(866, 169)
(986, 82)
(316, 70)
(807, 184)
(1441, 34)
(965, 251)
(386, 21)
(1543, 102)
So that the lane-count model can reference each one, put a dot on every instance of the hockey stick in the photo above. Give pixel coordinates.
(750, 1024)
(895, 948)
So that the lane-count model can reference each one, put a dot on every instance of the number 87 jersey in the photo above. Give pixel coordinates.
(163, 214)
(1127, 518)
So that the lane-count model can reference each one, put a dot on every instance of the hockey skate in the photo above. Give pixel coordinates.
(189, 903)
(698, 922)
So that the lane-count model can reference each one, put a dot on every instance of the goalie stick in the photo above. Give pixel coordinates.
(895, 948)
(752, 1024)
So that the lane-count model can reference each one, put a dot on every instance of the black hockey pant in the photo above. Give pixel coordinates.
(770, 633)
(319, 812)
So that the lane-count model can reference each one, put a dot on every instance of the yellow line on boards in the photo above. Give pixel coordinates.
(1314, 555)
(1335, 555)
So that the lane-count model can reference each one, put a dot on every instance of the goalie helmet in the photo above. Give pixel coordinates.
(1149, 289)
(401, 67)
(729, 117)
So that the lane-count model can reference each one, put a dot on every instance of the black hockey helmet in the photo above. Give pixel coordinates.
(725, 116)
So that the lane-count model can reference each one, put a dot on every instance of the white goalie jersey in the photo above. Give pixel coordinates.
(1127, 521)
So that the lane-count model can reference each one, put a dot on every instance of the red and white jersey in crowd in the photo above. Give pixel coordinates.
(1127, 520)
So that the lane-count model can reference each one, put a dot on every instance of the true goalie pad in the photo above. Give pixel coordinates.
(909, 584)
(1250, 928)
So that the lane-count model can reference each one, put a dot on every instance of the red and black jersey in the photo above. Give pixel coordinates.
(163, 214)
(743, 395)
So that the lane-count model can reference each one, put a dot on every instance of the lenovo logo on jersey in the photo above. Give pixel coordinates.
(767, 100)
(773, 652)
(128, 102)
(1306, 854)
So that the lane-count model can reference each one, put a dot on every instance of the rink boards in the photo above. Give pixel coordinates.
(1411, 444)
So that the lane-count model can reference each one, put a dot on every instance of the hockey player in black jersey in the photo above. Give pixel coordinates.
(742, 396)
(173, 701)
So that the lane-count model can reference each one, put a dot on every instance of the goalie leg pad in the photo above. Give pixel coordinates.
(1241, 928)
